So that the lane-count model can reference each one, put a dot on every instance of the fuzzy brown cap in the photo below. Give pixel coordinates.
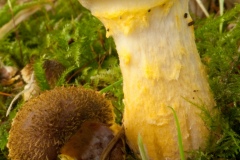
(44, 123)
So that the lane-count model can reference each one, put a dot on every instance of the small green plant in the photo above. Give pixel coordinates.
(40, 76)
(142, 149)
(180, 144)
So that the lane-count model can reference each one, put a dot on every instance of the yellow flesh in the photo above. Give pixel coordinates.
(161, 67)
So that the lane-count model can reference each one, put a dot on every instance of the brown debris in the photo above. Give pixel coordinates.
(90, 141)
(8, 75)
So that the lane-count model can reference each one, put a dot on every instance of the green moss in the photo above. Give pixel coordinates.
(39, 74)
(68, 34)
(220, 54)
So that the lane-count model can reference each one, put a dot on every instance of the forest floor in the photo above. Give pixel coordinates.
(63, 45)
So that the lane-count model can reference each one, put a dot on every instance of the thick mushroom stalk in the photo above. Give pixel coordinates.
(161, 67)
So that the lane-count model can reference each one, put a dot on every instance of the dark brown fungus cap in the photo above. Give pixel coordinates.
(53, 71)
(52, 68)
(46, 122)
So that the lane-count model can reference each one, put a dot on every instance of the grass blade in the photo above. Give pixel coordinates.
(180, 145)
(142, 148)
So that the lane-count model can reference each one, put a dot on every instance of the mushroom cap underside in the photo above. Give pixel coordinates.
(114, 6)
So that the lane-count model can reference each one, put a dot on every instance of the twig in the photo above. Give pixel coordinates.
(221, 3)
(19, 17)
(16, 31)
(5, 94)
(111, 86)
(28, 86)
(199, 2)
(111, 144)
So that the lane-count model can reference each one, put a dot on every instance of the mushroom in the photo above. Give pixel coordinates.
(53, 71)
(45, 123)
(161, 68)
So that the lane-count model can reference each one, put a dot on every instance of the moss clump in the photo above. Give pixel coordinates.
(67, 34)
(220, 53)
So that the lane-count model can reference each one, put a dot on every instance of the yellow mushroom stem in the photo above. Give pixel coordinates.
(161, 67)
